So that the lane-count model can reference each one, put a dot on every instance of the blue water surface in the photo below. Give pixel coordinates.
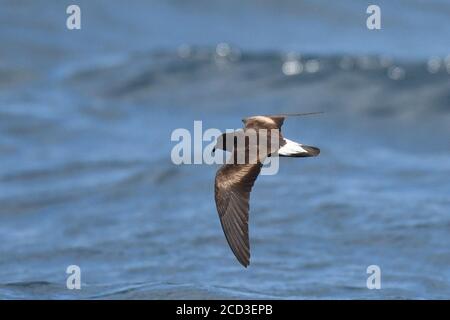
(86, 176)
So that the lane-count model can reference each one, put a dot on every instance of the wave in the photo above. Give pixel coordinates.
(379, 86)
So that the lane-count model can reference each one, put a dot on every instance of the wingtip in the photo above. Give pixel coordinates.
(244, 261)
(245, 264)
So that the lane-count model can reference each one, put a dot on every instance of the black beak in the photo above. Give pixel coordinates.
(214, 150)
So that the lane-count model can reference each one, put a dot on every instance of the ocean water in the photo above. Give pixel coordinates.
(85, 171)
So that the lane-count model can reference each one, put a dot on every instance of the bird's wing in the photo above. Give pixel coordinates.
(233, 185)
(273, 121)
(263, 122)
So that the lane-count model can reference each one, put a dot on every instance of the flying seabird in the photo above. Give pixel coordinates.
(234, 180)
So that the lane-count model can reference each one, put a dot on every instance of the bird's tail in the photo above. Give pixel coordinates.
(294, 149)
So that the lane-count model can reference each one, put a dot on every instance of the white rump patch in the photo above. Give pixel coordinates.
(291, 148)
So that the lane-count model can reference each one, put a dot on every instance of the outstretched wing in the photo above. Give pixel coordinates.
(263, 122)
(274, 121)
(233, 185)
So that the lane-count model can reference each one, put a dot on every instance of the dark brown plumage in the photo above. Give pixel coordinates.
(234, 183)
(232, 193)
